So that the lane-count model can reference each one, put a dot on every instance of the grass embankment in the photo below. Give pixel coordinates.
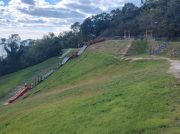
(99, 94)
(138, 48)
(115, 47)
(172, 51)
(10, 82)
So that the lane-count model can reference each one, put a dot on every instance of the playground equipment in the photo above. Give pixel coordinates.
(95, 41)
(43, 77)
(65, 60)
(82, 50)
(25, 89)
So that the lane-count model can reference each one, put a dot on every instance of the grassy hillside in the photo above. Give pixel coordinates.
(138, 47)
(144, 48)
(172, 51)
(11, 81)
(99, 93)
(115, 47)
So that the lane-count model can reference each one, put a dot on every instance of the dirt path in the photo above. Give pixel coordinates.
(174, 68)
(126, 51)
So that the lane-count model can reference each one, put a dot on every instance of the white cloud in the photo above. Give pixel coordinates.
(34, 18)
(1, 3)
(34, 33)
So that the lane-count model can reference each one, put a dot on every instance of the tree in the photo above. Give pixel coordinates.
(76, 27)
(12, 46)
(100, 23)
(173, 18)
(87, 29)
(14, 50)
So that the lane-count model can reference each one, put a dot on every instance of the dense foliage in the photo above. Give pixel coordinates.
(159, 17)
(20, 56)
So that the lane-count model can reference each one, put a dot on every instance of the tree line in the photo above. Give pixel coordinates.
(20, 55)
(160, 17)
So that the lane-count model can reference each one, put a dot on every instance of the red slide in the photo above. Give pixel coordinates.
(19, 94)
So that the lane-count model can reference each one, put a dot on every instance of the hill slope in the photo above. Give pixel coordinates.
(99, 93)
(9, 82)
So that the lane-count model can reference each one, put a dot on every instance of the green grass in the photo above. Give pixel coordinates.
(114, 47)
(10, 82)
(99, 94)
(138, 47)
(172, 51)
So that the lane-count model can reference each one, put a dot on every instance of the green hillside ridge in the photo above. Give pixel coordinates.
(9, 83)
(99, 93)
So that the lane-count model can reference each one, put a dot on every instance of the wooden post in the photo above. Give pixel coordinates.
(124, 34)
(151, 34)
(129, 34)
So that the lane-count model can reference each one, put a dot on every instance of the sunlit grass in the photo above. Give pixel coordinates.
(99, 94)
(10, 82)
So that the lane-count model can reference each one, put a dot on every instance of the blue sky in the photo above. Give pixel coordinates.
(34, 18)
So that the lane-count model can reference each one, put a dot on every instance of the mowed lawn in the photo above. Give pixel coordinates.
(99, 93)
(9, 82)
